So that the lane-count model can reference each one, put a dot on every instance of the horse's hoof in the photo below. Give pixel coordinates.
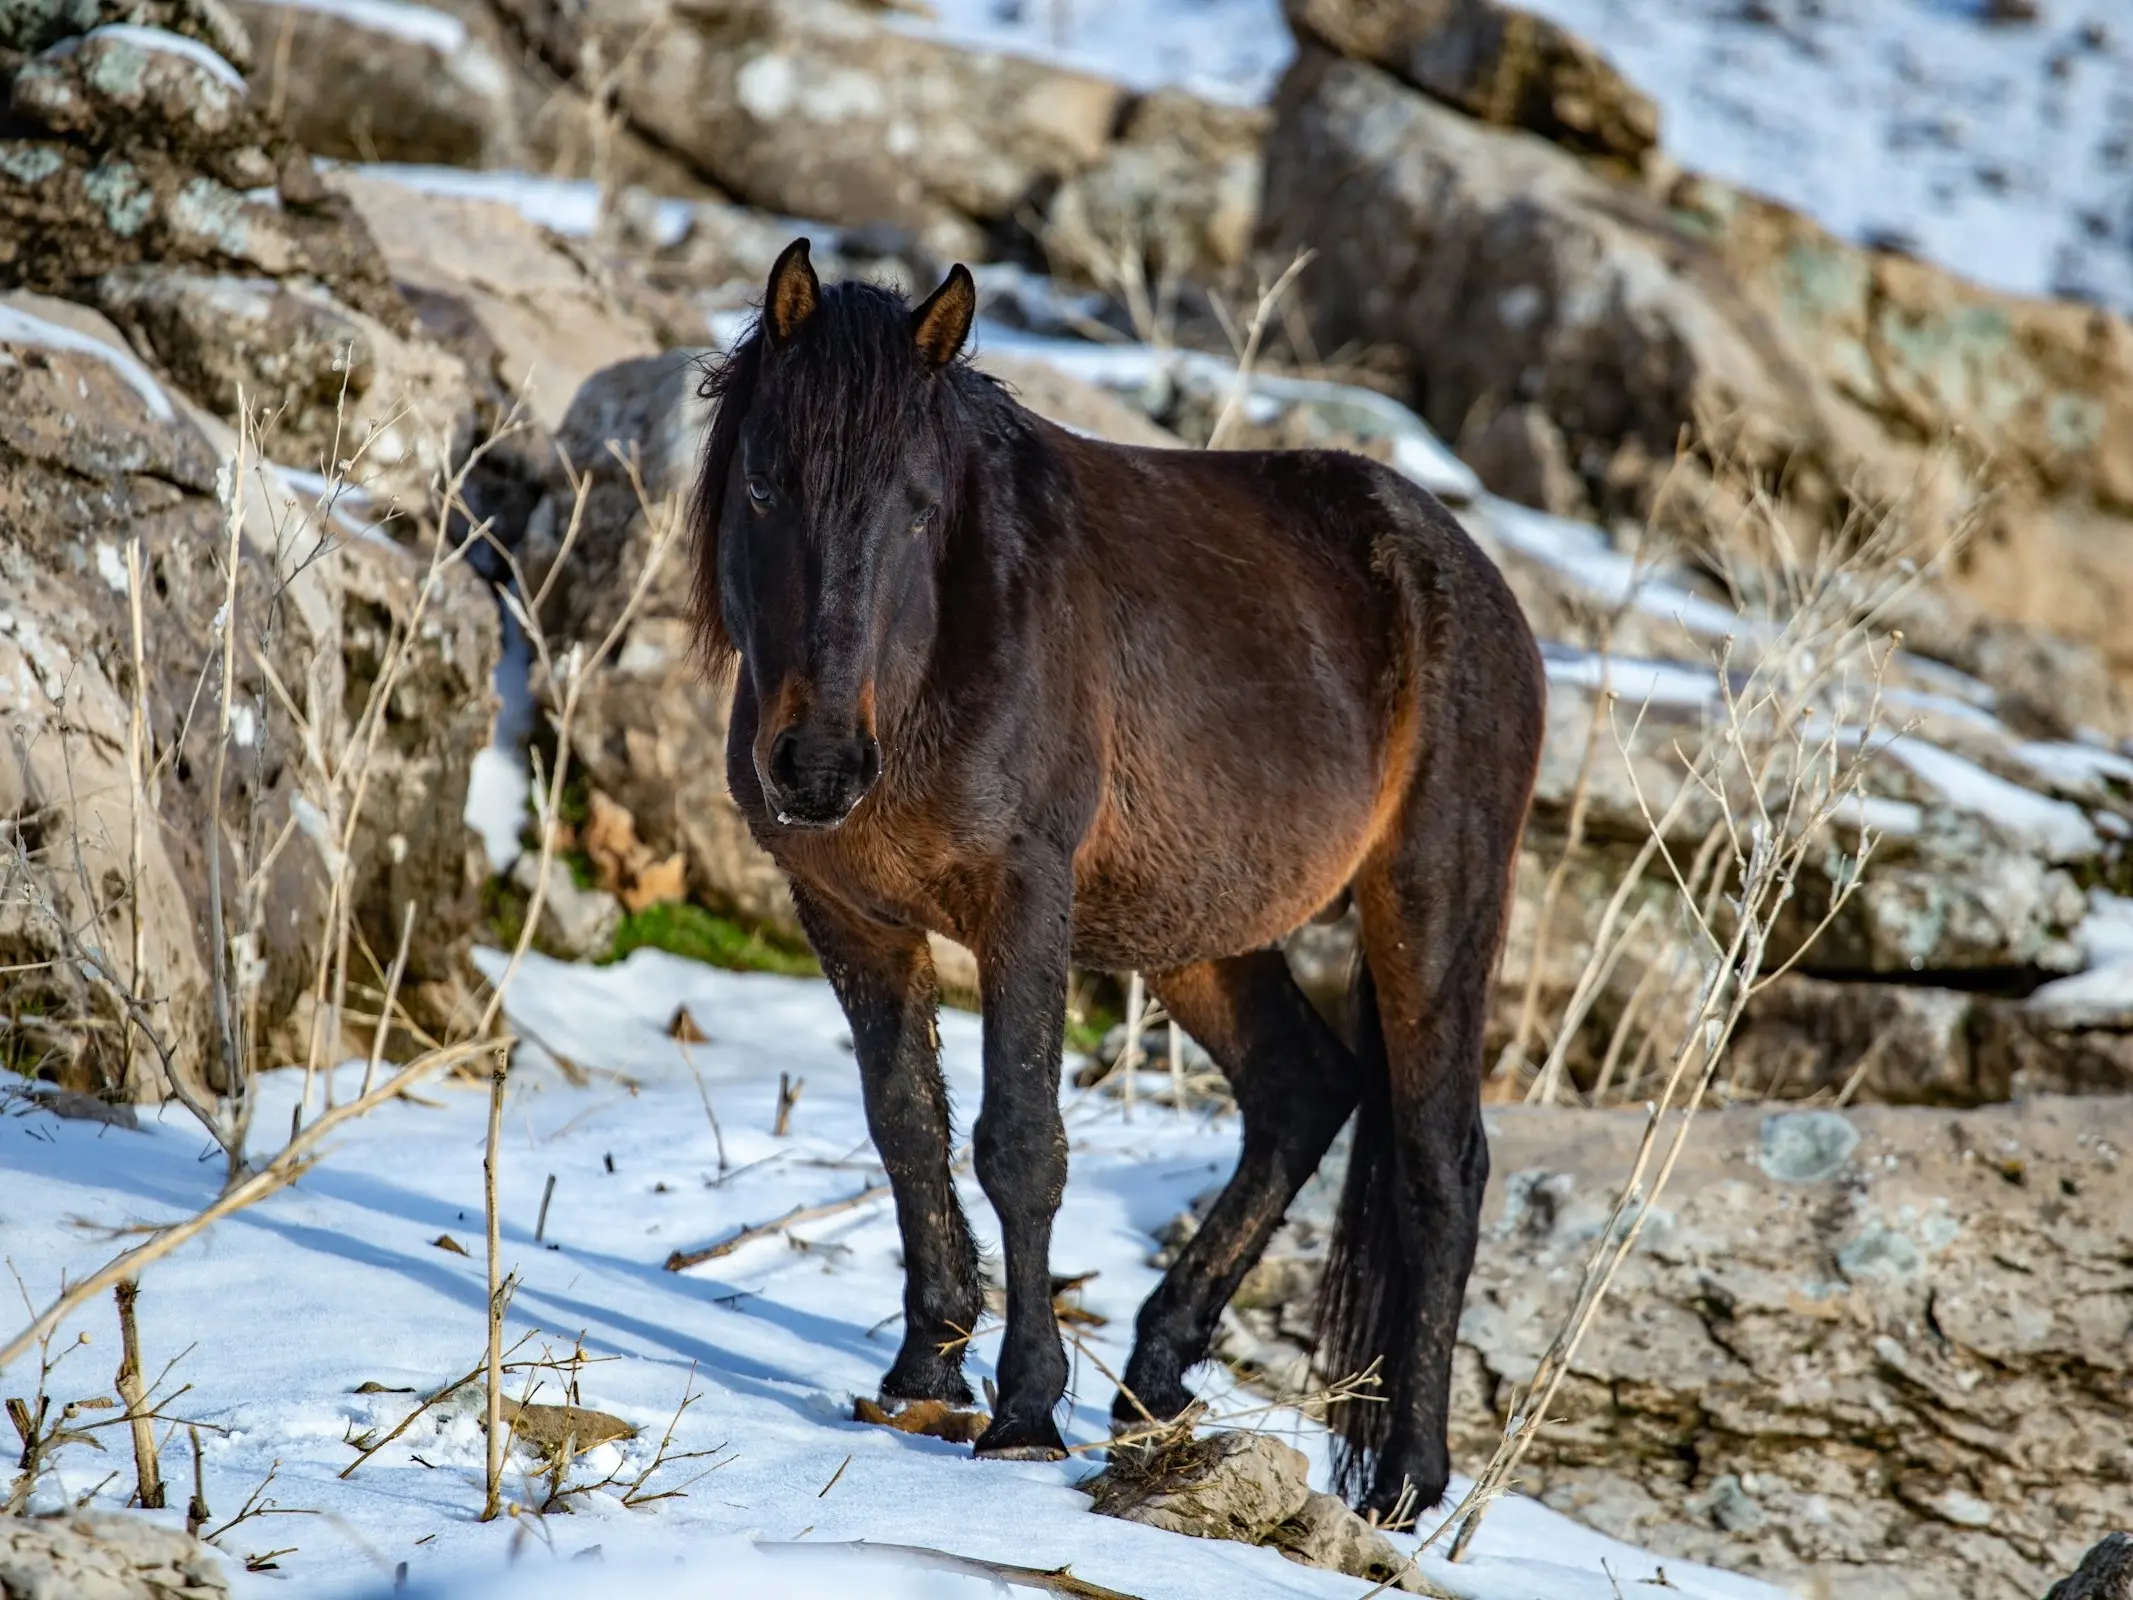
(1004, 1441)
(1022, 1452)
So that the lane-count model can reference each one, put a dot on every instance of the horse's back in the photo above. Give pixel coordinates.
(1264, 623)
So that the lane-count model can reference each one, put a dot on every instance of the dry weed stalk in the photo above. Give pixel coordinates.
(569, 673)
(148, 1475)
(1247, 348)
(1786, 769)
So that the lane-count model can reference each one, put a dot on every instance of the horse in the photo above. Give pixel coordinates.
(1069, 702)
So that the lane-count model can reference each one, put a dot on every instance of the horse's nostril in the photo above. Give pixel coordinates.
(869, 761)
(784, 759)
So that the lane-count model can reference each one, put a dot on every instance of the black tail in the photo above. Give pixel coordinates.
(1365, 1299)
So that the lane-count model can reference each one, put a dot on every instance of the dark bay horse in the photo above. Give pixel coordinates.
(1065, 702)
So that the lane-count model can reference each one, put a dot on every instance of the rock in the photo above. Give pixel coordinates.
(1522, 456)
(1251, 1488)
(2105, 1573)
(1226, 1486)
(32, 25)
(1325, 1533)
(813, 108)
(95, 1555)
(146, 87)
(546, 1429)
(1049, 392)
(576, 924)
(399, 411)
(1500, 63)
(397, 83)
(1178, 192)
(94, 453)
(1510, 272)
(1878, 1352)
(548, 324)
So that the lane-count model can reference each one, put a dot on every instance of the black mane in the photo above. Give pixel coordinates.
(854, 374)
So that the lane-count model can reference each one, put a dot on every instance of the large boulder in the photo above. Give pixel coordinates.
(447, 85)
(814, 108)
(1500, 63)
(1874, 1353)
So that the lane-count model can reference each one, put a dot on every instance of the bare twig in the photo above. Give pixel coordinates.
(683, 1260)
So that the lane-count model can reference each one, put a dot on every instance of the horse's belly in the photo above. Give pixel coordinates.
(1153, 910)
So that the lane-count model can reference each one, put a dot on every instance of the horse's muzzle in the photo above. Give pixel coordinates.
(814, 778)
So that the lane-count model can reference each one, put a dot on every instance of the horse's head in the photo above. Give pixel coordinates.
(829, 481)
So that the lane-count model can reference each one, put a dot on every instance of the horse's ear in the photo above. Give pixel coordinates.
(942, 324)
(794, 293)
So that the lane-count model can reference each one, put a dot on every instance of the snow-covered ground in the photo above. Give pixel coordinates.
(2001, 151)
(279, 1319)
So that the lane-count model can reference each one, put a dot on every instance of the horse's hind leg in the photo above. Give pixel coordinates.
(884, 980)
(1295, 1084)
(1433, 900)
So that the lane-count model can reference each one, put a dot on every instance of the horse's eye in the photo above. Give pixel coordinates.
(924, 520)
(758, 492)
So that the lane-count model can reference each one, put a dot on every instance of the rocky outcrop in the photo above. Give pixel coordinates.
(1874, 1353)
(98, 458)
(96, 1555)
(140, 179)
(1513, 274)
(1498, 63)
(447, 85)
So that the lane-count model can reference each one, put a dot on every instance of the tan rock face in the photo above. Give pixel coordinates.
(551, 325)
(92, 1555)
(1500, 63)
(1885, 1350)
(1178, 190)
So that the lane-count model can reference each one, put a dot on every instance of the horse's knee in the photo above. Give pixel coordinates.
(1020, 1160)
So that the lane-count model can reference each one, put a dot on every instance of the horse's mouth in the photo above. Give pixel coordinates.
(803, 822)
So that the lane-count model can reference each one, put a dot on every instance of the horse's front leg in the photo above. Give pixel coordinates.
(884, 979)
(1021, 1144)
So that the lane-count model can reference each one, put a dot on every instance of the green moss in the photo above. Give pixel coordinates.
(698, 935)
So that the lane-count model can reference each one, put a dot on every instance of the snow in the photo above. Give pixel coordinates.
(279, 1315)
(1582, 551)
(440, 30)
(2077, 768)
(1227, 50)
(19, 327)
(1903, 119)
(2055, 829)
(2102, 995)
(498, 795)
(156, 39)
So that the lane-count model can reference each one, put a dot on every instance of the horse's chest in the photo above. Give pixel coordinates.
(896, 869)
